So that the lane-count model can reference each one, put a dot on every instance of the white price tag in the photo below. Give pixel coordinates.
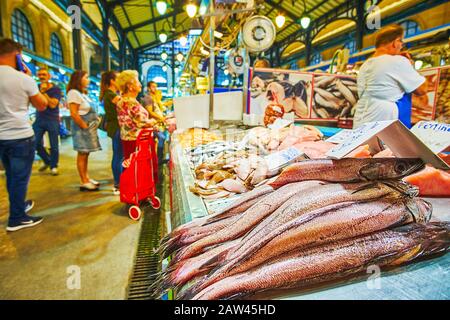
(341, 136)
(358, 137)
(435, 135)
(280, 159)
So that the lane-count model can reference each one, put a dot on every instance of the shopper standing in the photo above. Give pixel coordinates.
(387, 80)
(17, 143)
(154, 106)
(85, 124)
(131, 114)
(109, 96)
(48, 121)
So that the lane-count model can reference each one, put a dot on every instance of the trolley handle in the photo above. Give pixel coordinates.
(144, 134)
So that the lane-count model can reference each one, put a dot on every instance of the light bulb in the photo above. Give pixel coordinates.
(280, 20)
(305, 21)
(161, 7)
(183, 41)
(62, 71)
(226, 72)
(164, 68)
(202, 10)
(191, 10)
(164, 55)
(418, 64)
(176, 69)
(163, 37)
(180, 57)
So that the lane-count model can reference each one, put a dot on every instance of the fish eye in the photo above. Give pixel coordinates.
(400, 167)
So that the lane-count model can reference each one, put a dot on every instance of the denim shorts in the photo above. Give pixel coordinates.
(86, 140)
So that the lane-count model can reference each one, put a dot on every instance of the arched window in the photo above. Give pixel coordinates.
(316, 58)
(411, 28)
(21, 30)
(56, 49)
(351, 46)
(157, 74)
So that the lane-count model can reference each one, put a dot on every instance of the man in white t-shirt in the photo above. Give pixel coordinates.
(386, 81)
(17, 144)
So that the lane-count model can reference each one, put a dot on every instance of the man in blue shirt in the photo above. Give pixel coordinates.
(48, 121)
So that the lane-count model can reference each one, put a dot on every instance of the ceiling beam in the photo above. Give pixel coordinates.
(280, 8)
(308, 12)
(156, 43)
(175, 11)
(152, 11)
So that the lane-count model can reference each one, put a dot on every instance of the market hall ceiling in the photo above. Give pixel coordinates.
(143, 23)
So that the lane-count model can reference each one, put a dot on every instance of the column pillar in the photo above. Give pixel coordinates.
(308, 45)
(77, 42)
(106, 55)
(360, 24)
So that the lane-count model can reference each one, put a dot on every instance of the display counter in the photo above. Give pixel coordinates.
(426, 279)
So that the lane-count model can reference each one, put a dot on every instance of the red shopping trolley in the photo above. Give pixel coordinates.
(138, 180)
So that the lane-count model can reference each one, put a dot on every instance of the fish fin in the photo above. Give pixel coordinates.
(403, 187)
(192, 291)
(365, 186)
(214, 219)
(214, 261)
(238, 295)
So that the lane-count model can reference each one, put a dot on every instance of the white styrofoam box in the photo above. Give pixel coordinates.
(192, 111)
(228, 106)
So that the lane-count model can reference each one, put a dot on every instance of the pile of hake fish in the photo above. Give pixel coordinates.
(319, 220)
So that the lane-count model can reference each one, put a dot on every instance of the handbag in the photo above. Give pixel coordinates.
(103, 125)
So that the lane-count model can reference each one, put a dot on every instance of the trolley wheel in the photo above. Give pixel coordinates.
(135, 212)
(156, 203)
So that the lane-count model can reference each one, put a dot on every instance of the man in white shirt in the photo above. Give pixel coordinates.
(386, 81)
(17, 144)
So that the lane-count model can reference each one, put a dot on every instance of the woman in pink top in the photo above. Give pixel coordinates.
(131, 114)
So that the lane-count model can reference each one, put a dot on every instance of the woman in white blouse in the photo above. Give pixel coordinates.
(84, 126)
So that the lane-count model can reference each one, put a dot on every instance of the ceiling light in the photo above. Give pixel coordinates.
(164, 68)
(161, 7)
(180, 56)
(191, 9)
(280, 20)
(418, 64)
(176, 69)
(202, 10)
(226, 72)
(164, 55)
(183, 41)
(163, 37)
(305, 21)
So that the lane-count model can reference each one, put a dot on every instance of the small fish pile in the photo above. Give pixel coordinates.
(209, 152)
(318, 220)
(334, 97)
(196, 136)
(229, 173)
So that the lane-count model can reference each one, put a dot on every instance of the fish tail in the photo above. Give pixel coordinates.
(170, 248)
